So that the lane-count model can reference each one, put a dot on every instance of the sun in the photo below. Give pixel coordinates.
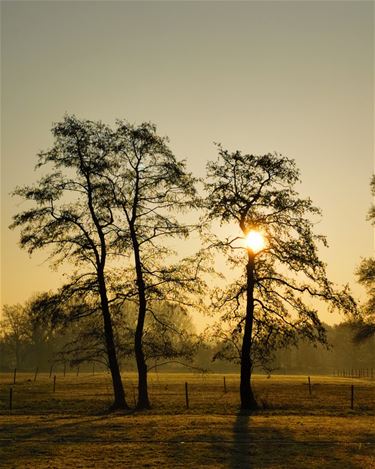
(255, 241)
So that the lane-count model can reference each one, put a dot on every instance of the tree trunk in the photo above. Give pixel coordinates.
(143, 400)
(248, 401)
(118, 389)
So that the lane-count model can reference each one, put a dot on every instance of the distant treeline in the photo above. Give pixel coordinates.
(342, 354)
(25, 345)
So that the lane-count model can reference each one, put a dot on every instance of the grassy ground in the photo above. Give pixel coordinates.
(71, 428)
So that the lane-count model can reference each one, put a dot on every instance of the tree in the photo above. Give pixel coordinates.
(108, 203)
(87, 342)
(15, 331)
(267, 307)
(71, 215)
(169, 336)
(149, 186)
(26, 342)
(366, 277)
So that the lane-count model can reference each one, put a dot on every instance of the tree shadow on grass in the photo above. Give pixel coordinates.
(261, 447)
(39, 439)
(241, 451)
(245, 442)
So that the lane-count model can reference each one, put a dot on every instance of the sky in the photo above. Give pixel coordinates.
(296, 77)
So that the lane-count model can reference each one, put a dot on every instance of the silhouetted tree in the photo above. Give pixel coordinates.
(149, 187)
(169, 336)
(15, 331)
(112, 195)
(72, 215)
(26, 341)
(266, 307)
(366, 277)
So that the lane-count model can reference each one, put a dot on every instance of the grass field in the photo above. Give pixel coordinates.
(71, 428)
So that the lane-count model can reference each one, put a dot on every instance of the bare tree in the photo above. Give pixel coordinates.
(15, 330)
(72, 215)
(267, 306)
(149, 187)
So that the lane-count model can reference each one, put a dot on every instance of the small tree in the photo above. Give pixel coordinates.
(72, 215)
(169, 336)
(267, 306)
(15, 331)
(28, 343)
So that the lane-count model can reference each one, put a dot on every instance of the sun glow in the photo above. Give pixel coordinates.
(255, 241)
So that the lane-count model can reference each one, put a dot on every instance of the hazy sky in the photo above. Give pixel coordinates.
(293, 77)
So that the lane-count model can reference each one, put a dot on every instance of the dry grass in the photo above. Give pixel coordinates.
(70, 428)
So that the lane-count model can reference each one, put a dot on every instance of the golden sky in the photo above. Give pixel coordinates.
(293, 77)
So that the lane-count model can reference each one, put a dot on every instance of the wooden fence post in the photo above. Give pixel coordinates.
(36, 373)
(10, 399)
(352, 397)
(54, 383)
(225, 386)
(14, 375)
(64, 368)
(78, 371)
(134, 398)
(309, 381)
(186, 395)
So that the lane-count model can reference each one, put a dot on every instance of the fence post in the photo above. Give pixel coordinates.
(54, 383)
(50, 370)
(78, 371)
(14, 375)
(186, 395)
(352, 397)
(134, 398)
(10, 399)
(36, 373)
(225, 385)
(309, 381)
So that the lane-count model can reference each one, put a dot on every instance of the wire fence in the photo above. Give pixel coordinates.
(173, 392)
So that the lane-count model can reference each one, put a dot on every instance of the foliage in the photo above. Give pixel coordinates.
(366, 277)
(26, 341)
(15, 331)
